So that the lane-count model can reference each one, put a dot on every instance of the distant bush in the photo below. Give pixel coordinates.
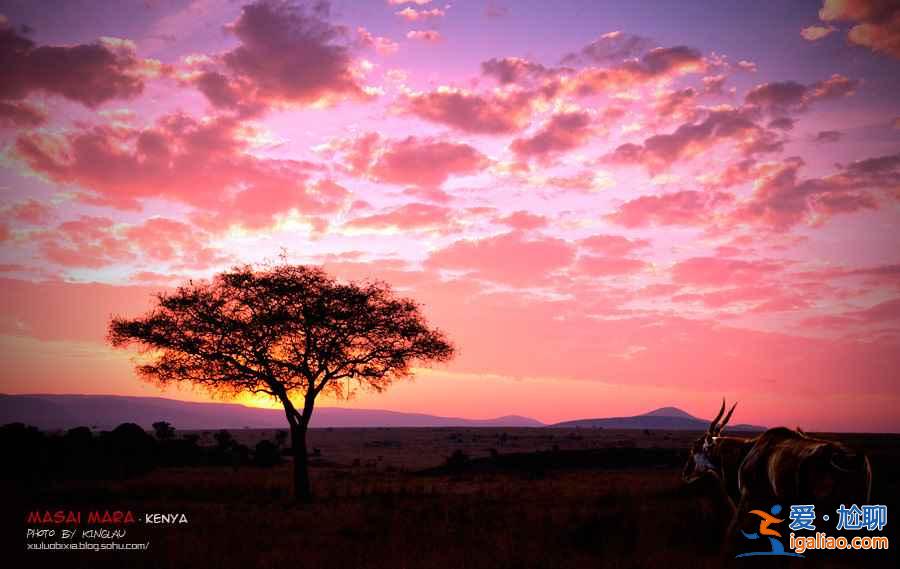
(457, 460)
(266, 454)
(26, 450)
(128, 450)
(181, 452)
(224, 440)
(163, 430)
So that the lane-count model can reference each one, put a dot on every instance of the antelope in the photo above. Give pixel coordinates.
(779, 466)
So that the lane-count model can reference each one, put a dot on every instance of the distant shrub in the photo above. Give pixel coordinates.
(126, 451)
(458, 459)
(163, 430)
(27, 452)
(129, 449)
(224, 439)
(266, 454)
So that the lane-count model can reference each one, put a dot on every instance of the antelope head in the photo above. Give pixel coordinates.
(704, 456)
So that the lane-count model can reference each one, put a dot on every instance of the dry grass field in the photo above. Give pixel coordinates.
(438, 498)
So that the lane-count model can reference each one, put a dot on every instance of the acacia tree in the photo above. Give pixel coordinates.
(288, 331)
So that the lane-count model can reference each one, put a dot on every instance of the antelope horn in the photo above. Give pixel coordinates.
(715, 422)
(727, 418)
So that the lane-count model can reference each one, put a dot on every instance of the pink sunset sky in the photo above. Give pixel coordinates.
(609, 207)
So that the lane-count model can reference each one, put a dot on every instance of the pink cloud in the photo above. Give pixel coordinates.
(493, 10)
(678, 104)
(828, 136)
(658, 66)
(727, 297)
(781, 199)
(781, 94)
(687, 207)
(86, 242)
(412, 15)
(661, 64)
(665, 60)
(612, 245)
(886, 311)
(815, 33)
(424, 162)
(716, 271)
(610, 47)
(562, 132)
(428, 193)
(17, 114)
(288, 55)
(508, 70)
(876, 276)
(412, 216)
(790, 303)
(790, 96)
(199, 163)
(509, 258)
(608, 266)
(162, 239)
(470, 112)
(145, 277)
(30, 211)
(90, 74)
(424, 35)
(876, 23)
(714, 84)
(382, 45)
(733, 174)
(734, 126)
(95, 242)
(782, 123)
(882, 313)
(523, 220)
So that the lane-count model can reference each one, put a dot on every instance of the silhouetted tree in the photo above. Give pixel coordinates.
(79, 455)
(164, 431)
(286, 330)
(131, 448)
(25, 451)
(224, 439)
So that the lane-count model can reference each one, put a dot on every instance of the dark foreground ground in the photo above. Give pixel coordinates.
(435, 498)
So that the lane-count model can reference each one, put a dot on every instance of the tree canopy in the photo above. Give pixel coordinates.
(282, 330)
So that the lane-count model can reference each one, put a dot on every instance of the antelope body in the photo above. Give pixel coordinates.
(781, 465)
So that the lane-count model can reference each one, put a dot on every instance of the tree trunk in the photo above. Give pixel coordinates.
(302, 490)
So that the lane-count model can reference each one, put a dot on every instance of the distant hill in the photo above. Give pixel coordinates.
(107, 411)
(667, 418)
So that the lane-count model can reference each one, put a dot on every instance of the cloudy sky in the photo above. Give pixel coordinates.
(609, 207)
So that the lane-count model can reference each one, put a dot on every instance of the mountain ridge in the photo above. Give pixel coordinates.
(63, 411)
(669, 418)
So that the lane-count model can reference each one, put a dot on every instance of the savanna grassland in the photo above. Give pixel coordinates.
(436, 498)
